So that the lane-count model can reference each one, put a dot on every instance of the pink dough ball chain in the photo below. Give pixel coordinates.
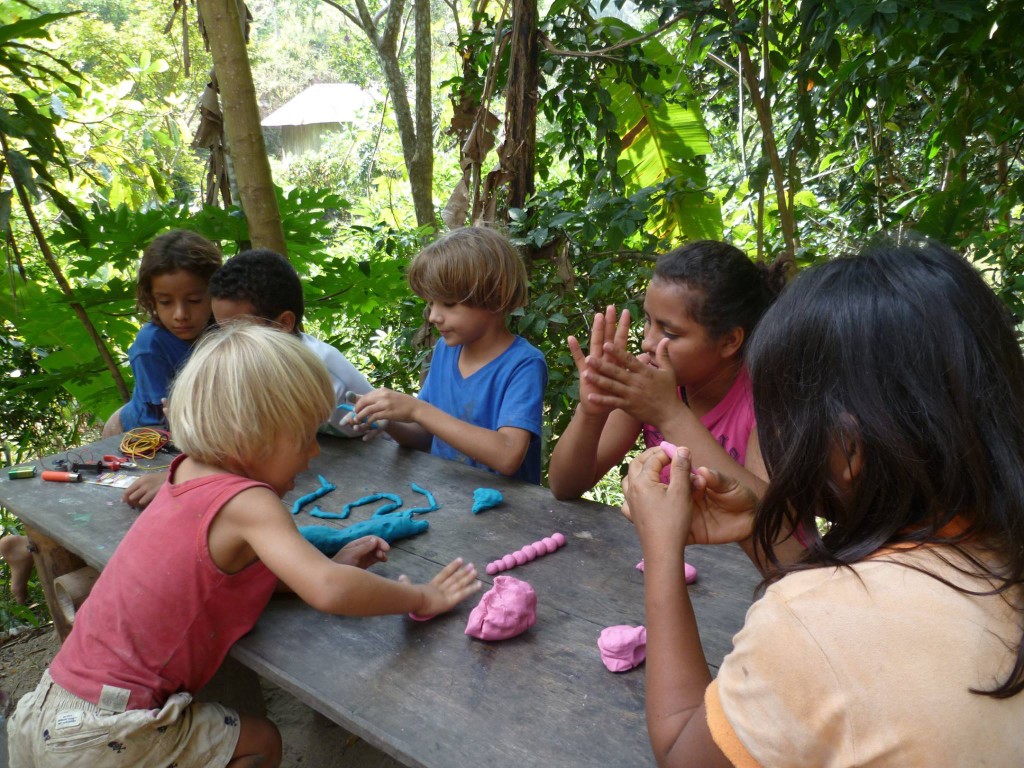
(544, 546)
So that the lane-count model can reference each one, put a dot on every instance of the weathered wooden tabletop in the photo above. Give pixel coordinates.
(426, 693)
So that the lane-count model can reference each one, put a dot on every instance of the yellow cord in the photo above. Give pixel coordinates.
(143, 442)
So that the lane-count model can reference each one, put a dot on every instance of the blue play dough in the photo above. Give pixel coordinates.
(391, 528)
(421, 510)
(324, 489)
(485, 498)
(396, 502)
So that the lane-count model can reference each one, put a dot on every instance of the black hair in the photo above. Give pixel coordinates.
(904, 351)
(733, 291)
(265, 279)
(174, 251)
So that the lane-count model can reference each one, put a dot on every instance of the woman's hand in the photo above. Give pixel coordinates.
(603, 332)
(723, 508)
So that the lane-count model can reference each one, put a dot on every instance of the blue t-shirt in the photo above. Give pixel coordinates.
(507, 392)
(155, 357)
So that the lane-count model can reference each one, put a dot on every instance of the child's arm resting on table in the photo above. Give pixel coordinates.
(677, 672)
(503, 449)
(256, 524)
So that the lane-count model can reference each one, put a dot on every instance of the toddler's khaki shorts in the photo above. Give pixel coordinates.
(52, 727)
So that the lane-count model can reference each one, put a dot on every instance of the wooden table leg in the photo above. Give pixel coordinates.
(52, 560)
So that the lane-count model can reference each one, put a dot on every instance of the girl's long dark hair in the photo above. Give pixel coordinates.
(906, 350)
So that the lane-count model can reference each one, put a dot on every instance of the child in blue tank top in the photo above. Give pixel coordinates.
(482, 400)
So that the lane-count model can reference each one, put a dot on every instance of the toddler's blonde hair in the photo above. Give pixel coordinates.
(475, 266)
(244, 386)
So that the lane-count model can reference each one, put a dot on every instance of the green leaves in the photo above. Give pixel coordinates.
(664, 140)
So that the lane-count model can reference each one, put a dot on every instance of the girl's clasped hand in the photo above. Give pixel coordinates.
(718, 508)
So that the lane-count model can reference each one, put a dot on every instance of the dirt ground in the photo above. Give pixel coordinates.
(310, 740)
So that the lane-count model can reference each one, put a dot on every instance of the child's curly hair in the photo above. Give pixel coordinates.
(172, 251)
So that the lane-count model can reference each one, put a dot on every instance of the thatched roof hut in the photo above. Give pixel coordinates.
(318, 110)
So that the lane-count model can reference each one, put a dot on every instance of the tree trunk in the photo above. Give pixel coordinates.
(224, 31)
(764, 116)
(416, 133)
(521, 104)
(421, 166)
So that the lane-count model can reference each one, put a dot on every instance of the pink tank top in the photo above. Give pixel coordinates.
(162, 616)
(731, 421)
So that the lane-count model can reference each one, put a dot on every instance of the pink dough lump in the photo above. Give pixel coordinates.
(508, 609)
(689, 572)
(670, 449)
(623, 647)
(544, 546)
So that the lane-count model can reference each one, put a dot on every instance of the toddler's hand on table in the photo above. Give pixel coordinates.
(451, 586)
(363, 552)
(143, 490)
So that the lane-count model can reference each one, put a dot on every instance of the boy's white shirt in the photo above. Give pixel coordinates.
(345, 378)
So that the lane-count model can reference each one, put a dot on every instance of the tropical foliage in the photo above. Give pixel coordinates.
(794, 129)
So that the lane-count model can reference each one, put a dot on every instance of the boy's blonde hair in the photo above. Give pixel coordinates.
(475, 266)
(244, 386)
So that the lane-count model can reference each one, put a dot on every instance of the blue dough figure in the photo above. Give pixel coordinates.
(430, 498)
(485, 498)
(391, 528)
(325, 487)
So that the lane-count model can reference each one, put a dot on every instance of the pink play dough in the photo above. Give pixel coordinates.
(530, 552)
(623, 647)
(508, 609)
(689, 572)
(670, 449)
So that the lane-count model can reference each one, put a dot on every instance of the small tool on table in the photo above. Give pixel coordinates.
(108, 462)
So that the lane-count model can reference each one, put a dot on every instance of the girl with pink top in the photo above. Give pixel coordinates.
(689, 385)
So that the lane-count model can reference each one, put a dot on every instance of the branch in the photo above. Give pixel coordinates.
(392, 25)
(344, 12)
(617, 46)
(764, 116)
(62, 283)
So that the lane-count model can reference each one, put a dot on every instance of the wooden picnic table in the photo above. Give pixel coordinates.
(426, 693)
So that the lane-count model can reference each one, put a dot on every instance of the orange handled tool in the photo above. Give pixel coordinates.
(61, 477)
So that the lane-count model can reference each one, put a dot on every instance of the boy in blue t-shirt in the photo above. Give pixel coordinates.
(481, 403)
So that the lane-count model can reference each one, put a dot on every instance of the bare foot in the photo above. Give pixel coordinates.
(14, 549)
